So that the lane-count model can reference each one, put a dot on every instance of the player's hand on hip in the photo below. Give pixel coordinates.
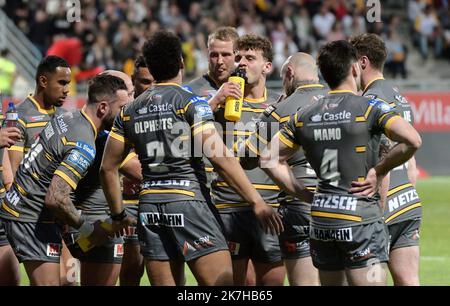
(369, 186)
(269, 219)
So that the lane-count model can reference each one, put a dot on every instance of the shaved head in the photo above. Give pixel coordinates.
(299, 69)
(125, 78)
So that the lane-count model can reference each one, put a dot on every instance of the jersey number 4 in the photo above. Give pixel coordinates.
(329, 167)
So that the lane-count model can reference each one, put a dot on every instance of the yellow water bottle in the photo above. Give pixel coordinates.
(85, 243)
(233, 107)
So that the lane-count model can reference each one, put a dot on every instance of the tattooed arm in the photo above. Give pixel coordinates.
(58, 201)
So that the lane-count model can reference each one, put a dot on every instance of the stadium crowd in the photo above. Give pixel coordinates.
(110, 33)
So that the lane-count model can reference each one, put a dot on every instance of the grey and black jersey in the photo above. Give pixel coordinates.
(335, 134)
(273, 118)
(159, 125)
(403, 202)
(65, 147)
(32, 119)
(235, 136)
(203, 86)
(89, 196)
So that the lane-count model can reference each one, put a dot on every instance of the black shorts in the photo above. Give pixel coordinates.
(131, 210)
(183, 230)
(3, 238)
(247, 239)
(351, 247)
(294, 241)
(110, 252)
(34, 241)
(404, 234)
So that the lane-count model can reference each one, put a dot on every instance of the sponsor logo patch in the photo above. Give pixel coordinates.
(169, 220)
(78, 160)
(325, 234)
(118, 250)
(234, 247)
(53, 249)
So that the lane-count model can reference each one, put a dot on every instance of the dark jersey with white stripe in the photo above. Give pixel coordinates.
(32, 119)
(273, 118)
(335, 134)
(65, 147)
(403, 202)
(235, 136)
(159, 125)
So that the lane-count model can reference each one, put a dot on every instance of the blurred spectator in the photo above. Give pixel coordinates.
(430, 32)
(337, 32)
(396, 55)
(323, 22)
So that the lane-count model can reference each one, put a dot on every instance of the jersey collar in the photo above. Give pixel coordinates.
(371, 82)
(167, 84)
(50, 111)
(310, 86)
(258, 100)
(90, 121)
(331, 92)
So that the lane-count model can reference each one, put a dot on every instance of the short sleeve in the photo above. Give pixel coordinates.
(198, 115)
(380, 116)
(76, 163)
(288, 134)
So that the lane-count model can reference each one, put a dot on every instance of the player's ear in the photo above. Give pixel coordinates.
(290, 73)
(364, 61)
(267, 68)
(102, 108)
(182, 64)
(355, 69)
(43, 81)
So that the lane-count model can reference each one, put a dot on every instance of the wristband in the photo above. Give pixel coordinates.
(86, 229)
(119, 217)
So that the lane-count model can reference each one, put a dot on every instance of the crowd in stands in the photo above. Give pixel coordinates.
(111, 33)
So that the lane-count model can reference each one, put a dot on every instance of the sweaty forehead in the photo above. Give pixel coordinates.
(220, 45)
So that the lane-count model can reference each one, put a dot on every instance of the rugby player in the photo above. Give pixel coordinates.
(214, 87)
(133, 267)
(301, 86)
(403, 210)
(348, 237)
(175, 223)
(100, 265)
(246, 240)
(53, 76)
(50, 171)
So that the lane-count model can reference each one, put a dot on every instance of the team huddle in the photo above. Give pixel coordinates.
(316, 183)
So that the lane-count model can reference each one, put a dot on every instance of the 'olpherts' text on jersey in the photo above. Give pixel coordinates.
(32, 119)
(65, 147)
(160, 124)
(403, 202)
(335, 133)
(273, 119)
(235, 135)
